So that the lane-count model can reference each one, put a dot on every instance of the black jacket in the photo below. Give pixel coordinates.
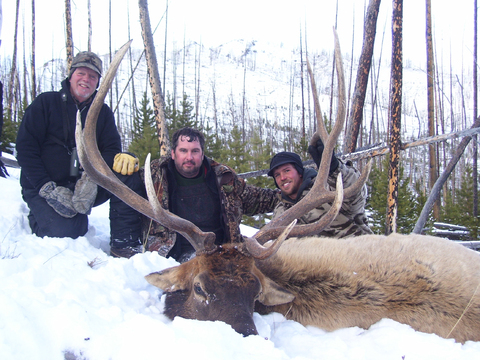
(40, 156)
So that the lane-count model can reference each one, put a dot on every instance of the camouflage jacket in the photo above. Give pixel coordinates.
(351, 220)
(236, 197)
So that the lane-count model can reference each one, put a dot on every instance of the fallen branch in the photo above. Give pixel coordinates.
(383, 149)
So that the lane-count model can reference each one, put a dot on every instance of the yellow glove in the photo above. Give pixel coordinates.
(125, 163)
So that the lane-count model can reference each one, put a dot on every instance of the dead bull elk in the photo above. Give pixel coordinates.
(428, 283)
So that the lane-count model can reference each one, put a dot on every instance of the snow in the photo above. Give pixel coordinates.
(68, 299)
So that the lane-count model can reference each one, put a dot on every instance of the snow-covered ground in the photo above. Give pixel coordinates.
(63, 299)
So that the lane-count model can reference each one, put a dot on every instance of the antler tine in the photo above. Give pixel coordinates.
(318, 194)
(261, 252)
(321, 130)
(309, 229)
(96, 168)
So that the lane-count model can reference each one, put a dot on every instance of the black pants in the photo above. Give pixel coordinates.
(125, 222)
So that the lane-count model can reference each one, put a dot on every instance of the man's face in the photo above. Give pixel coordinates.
(83, 83)
(188, 157)
(288, 179)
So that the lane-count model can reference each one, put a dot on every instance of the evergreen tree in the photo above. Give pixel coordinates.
(9, 134)
(459, 211)
(409, 202)
(178, 119)
(261, 153)
(301, 148)
(213, 144)
(235, 154)
(145, 139)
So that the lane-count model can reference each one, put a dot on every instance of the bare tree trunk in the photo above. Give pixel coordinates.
(310, 120)
(132, 70)
(197, 85)
(154, 77)
(244, 95)
(32, 63)
(25, 72)
(395, 116)
(89, 42)
(110, 54)
(431, 105)
(69, 40)
(301, 82)
(333, 75)
(165, 51)
(13, 70)
(475, 88)
(356, 111)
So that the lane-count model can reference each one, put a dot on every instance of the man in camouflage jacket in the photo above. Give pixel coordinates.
(295, 182)
(232, 197)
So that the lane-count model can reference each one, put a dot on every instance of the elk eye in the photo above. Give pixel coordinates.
(198, 290)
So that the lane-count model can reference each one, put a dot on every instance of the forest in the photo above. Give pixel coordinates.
(253, 99)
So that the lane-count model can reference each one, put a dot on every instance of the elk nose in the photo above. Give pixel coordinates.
(245, 326)
(247, 330)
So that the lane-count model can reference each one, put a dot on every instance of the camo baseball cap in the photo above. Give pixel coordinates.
(87, 59)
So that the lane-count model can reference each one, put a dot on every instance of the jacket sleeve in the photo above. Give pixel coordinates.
(108, 138)
(257, 200)
(30, 137)
(356, 204)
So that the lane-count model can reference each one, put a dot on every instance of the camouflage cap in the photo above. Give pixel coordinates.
(87, 59)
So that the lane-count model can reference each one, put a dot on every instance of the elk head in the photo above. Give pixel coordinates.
(221, 282)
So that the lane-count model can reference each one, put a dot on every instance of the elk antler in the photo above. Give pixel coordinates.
(100, 173)
(318, 194)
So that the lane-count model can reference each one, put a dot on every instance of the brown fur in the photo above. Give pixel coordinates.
(425, 282)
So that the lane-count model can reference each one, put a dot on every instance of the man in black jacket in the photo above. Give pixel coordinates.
(57, 191)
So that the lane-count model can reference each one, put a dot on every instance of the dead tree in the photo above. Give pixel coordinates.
(32, 62)
(69, 39)
(395, 116)
(437, 187)
(356, 111)
(154, 77)
(431, 105)
(475, 88)
(13, 70)
(89, 42)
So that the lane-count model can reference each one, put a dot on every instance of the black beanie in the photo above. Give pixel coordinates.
(286, 157)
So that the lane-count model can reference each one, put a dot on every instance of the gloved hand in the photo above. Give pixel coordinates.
(59, 198)
(316, 153)
(125, 163)
(84, 195)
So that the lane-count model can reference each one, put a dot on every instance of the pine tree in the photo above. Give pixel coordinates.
(178, 119)
(235, 154)
(409, 202)
(377, 199)
(9, 133)
(213, 144)
(459, 211)
(261, 153)
(145, 139)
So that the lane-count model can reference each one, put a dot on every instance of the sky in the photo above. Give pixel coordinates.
(62, 296)
(213, 22)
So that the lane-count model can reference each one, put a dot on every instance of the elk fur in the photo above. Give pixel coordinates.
(426, 282)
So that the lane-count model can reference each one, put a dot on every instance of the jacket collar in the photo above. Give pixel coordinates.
(309, 175)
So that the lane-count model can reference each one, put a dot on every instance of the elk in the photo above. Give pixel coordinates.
(429, 283)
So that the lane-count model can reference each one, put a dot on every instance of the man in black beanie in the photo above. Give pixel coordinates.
(295, 182)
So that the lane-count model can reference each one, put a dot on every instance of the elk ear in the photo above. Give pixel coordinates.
(169, 280)
(273, 294)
